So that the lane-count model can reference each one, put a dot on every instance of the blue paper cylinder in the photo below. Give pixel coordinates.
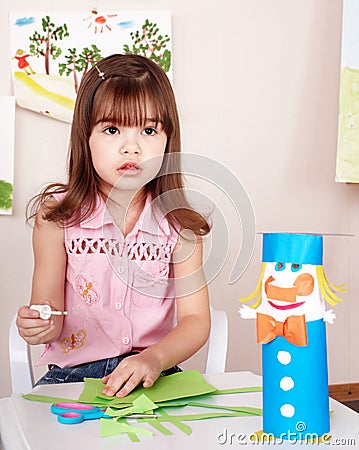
(293, 247)
(305, 368)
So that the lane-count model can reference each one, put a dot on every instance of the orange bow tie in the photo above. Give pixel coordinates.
(293, 329)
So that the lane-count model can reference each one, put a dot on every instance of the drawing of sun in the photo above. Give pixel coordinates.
(99, 22)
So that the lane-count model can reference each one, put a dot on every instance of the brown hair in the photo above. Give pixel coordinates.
(118, 89)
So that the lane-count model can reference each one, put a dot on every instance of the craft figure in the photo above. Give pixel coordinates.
(291, 326)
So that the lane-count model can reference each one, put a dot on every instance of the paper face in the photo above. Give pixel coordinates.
(291, 289)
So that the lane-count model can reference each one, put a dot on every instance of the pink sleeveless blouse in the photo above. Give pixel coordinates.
(119, 291)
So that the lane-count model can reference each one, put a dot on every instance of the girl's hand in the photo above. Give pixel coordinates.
(32, 328)
(131, 371)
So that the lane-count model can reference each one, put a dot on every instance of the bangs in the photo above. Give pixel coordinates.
(128, 103)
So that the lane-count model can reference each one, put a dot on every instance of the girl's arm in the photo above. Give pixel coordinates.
(190, 334)
(47, 283)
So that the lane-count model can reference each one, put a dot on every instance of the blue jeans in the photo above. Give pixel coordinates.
(95, 369)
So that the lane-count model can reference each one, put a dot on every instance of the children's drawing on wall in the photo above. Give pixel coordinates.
(52, 51)
(347, 169)
(7, 132)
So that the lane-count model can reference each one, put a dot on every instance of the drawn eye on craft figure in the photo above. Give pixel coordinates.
(86, 290)
(74, 342)
(99, 22)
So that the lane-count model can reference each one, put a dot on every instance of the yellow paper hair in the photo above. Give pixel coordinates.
(257, 293)
(327, 288)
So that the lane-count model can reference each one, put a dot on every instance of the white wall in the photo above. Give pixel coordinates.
(257, 88)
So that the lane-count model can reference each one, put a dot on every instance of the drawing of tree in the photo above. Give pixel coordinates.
(76, 64)
(43, 45)
(148, 42)
(5, 195)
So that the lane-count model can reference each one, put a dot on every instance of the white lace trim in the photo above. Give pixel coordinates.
(143, 251)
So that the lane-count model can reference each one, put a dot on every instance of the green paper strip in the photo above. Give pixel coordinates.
(245, 409)
(243, 412)
(238, 390)
(132, 431)
(47, 399)
(186, 429)
(186, 400)
(173, 403)
(157, 425)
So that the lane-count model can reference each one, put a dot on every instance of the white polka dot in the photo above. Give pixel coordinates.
(286, 383)
(284, 357)
(287, 410)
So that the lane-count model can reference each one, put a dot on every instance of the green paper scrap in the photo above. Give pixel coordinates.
(157, 426)
(188, 383)
(177, 390)
(89, 393)
(135, 430)
(141, 405)
(112, 428)
(91, 386)
(130, 433)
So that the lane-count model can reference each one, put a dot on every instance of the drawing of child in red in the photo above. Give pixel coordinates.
(21, 56)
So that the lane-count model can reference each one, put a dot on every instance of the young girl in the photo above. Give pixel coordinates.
(118, 246)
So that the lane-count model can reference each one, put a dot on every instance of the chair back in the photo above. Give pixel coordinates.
(217, 342)
(22, 376)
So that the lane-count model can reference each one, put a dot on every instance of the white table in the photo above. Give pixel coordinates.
(29, 425)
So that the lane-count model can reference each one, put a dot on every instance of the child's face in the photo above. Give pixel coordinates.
(127, 157)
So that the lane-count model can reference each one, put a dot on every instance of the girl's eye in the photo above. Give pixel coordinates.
(279, 266)
(295, 267)
(149, 131)
(111, 130)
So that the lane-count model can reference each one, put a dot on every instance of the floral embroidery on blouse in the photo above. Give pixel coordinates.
(74, 342)
(86, 290)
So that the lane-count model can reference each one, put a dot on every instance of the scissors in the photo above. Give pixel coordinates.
(70, 412)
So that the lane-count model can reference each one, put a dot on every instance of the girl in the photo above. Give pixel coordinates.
(118, 246)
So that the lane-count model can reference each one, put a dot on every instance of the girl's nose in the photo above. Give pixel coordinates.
(134, 150)
(129, 144)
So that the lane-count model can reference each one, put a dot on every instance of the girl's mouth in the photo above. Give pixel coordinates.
(129, 168)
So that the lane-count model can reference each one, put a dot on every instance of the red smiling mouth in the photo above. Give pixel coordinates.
(284, 307)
